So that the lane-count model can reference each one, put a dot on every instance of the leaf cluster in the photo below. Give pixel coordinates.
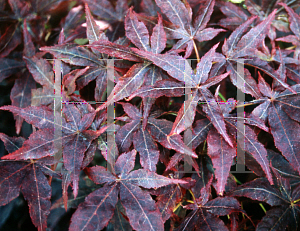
(138, 115)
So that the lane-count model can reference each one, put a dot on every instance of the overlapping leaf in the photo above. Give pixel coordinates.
(75, 137)
(283, 199)
(186, 29)
(140, 208)
(27, 177)
(205, 212)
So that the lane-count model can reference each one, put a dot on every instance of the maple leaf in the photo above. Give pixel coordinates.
(200, 82)
(171, 195)
(9, 67)
(219, 150)
(75, 138)
(238, 47)
(283, 199)
(166, 126)
(99, 206)
(235, 16)
(33, 11)
(205, 211)
(72, 24)
(186, 29)
(42, 73)
(140, 75)
(78, 55)
(100, 71)
(281, 109)
(142, 139)
(29, 178)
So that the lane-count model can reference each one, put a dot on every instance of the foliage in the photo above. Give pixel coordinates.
(147, 90)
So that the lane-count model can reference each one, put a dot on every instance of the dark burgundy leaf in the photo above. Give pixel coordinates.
(147, 149)
(221, 155)
(115, 50)
(136, 31)
(73, 54)
(10, 40)
(285, 135)
(100, 175)
(212, 109)
(222, 206)
(140, 208)
(97, 209)
(158, 37)
(160, 129)
(37, 192)
(11, 177)
(276, 219)
(147, 179)
(124, 136)
(125, 163)
(260, 189)
(168, 200)
(21, 96)
(9, 67)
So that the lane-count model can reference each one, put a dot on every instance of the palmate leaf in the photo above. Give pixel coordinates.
(186, 29)
(92, 29)
(235, 15)
(179, 70)
(284, 131)
(282, 125)
(30, 179)
(10, 40)
(275, 219)
(205, 211)
(186, 114)
(140, 208)
(144, 140)
(137, 32)
(112, 14)
(75, 137)
(212, 109)
(294, 25)
(41, 71)
(222, 154)
(173, 64)
(261, 190)
(251, 145)
(118, 221)
(253, 38)
(239, 46)
(282, 197)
